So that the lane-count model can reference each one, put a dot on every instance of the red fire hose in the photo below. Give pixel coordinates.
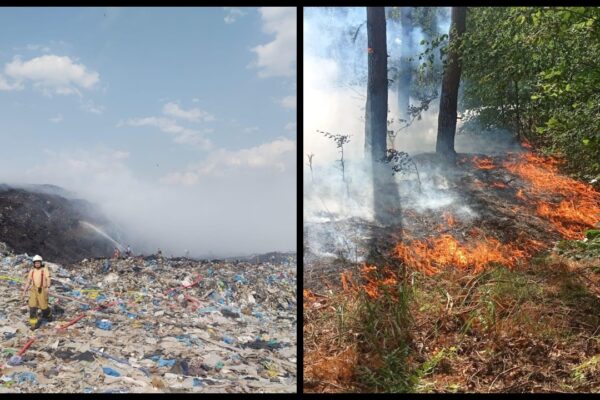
(79, 317)
(20, 353)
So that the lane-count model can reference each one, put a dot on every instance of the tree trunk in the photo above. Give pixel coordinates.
(450, 82)
(405, 72)
(377, 85)
(386, 202)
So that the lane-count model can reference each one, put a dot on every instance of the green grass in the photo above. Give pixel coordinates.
(581, 372)
(384, 326)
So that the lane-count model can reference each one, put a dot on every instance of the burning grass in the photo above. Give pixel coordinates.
(431, 255)
(483, 163)
(488, 313)
(566, 206)
(570, 206)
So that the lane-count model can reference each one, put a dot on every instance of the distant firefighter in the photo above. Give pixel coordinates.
(38, 279)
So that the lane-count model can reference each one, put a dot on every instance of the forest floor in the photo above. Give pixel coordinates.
(508, 301)
(536, 329)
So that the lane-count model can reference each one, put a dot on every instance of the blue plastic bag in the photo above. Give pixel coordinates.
(197, 382)
(111, 372)
(165, 363)
(104, 324)
(228, 340)
(23, 377)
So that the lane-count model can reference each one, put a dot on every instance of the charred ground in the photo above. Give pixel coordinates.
(504, 287)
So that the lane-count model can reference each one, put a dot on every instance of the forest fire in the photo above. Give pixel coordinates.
(372, 284)
(483, 163)
(450, 221)
(430, 255)
(579, 208)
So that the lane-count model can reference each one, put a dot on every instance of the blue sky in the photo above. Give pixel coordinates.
(168, 102)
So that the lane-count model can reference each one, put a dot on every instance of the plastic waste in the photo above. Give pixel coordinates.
(111, 372)
(23, 377)
(197, 382)
(104, 324)
(165, 363)
(15, 360)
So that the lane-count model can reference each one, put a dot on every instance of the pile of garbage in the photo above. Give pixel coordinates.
(151, 325)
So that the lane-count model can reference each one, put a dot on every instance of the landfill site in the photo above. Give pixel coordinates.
(151, 324)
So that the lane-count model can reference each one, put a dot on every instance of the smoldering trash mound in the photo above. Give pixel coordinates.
(152, 325)
(502, 257)
(47, 220)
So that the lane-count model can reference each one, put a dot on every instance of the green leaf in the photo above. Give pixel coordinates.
(586, 141)
(592, 233)
(552, 122)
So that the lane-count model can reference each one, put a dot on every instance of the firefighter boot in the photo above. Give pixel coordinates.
(47, 314)
(34, 321)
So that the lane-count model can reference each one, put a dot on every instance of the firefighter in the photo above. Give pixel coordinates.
(38, 279)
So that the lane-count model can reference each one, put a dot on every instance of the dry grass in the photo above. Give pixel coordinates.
(533, 329)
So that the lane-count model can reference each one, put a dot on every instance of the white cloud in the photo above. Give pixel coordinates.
(89, 106)
(288, 102)
(193, 114)
(57, 119)
(278, 57)
(290, 126)
(52, 73)
(182, 135)
(274, 157)
(233, 13)
(5, 85)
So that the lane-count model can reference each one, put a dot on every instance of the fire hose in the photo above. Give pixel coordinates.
(83, 315)
(17, 359)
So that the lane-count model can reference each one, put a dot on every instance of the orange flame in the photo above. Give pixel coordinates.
(346, 278)
(430, 255)
(450, 221)
(374, 284)
(483, 163)
(577, 211)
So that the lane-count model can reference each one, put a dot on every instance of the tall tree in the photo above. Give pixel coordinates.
(377, 85)
(406, 67)
(450, 82)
